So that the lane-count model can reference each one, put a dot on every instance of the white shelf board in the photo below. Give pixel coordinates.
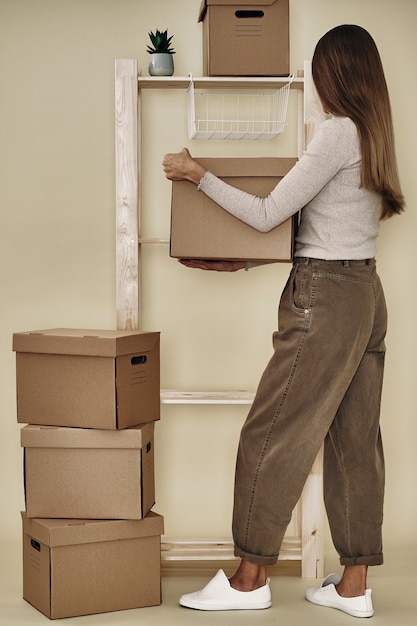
(218, 549)
(206, 397)
(154, 240)
(218, 82)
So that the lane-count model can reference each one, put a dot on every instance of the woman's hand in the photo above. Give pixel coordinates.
(217, 266)
(181, 166)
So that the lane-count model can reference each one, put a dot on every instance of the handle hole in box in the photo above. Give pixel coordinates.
(249, 14)
(35, 544)
(139, 360)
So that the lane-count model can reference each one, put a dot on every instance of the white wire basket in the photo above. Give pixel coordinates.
(230, 115)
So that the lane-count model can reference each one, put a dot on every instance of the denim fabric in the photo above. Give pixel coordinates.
(322, 384)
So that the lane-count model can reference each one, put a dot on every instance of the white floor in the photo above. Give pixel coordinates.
(394, 594)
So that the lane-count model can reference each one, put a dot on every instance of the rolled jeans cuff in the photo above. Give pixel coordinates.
(256, 559)
(373, 559)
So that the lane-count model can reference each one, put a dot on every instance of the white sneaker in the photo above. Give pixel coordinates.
(219, 595)
(326, 595)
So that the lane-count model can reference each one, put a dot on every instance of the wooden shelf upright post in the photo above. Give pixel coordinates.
(127, 195)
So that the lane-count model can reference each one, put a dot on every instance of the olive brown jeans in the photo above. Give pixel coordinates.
(322, 384)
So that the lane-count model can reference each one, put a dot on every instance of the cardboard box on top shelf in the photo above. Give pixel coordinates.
(246, 38)
(201, 229)
(83, 567)
(88, 473)
(107, 379)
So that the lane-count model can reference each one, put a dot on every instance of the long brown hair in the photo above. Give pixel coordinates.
(349, 78)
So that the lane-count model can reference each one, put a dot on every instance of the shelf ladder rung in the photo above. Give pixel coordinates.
(206, 397)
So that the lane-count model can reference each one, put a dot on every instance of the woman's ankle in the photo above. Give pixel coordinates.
(353, 581)
(248, 576)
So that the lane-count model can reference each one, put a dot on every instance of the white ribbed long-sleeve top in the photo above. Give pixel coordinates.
(339, 219)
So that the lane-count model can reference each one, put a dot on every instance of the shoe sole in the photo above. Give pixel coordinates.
(218, 607)
(331, 605)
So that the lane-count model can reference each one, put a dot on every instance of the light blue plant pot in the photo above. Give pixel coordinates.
(161, 64)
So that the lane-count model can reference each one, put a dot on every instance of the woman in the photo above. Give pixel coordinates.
(324, 380)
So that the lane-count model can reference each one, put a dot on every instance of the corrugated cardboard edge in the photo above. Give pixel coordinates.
(32, 436)
(85, 342)
(65, 532)
(248, 166)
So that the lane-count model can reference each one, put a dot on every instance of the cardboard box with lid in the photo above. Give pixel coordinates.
(105, 379)
(88, 473)
(82, 567)
(245, 38)
(201, 229)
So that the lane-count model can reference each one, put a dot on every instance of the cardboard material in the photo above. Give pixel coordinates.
(73, 568)
(201, 229)
(87, 378)
(246, 38)
(86, 473)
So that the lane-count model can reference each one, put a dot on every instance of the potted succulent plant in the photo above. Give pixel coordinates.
(161, 63)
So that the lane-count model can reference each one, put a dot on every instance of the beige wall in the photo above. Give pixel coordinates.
(57, 236)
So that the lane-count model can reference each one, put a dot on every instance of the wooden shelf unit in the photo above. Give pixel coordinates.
(197, 554)
(218, 82)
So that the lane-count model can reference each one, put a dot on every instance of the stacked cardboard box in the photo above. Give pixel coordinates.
(89, 400)
(245, 37)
